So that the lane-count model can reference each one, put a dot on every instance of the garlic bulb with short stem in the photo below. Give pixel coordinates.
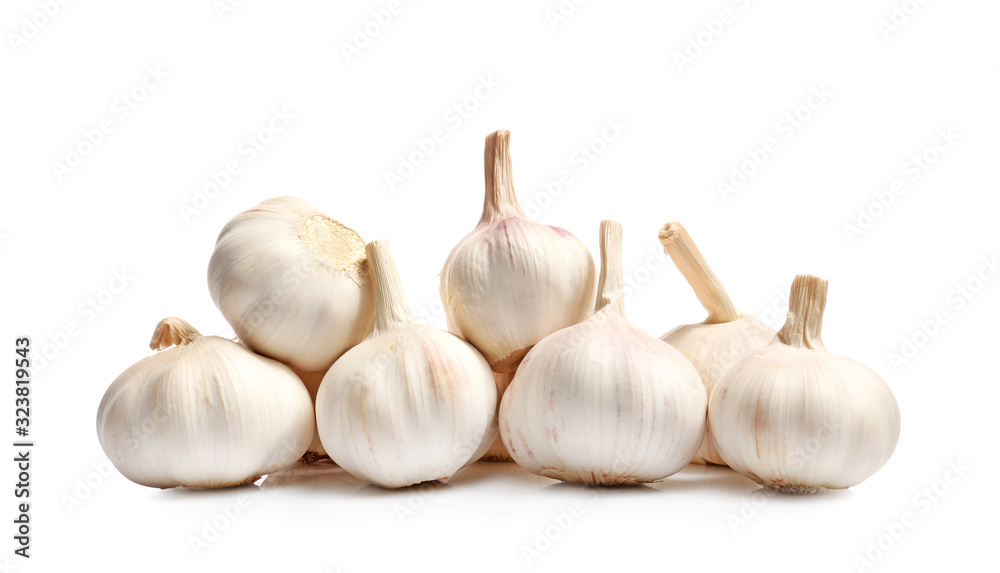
(796, 418)
(312, 381)
(409, 404)
(293, 283)
(498, 452)
(723, 338)
(602, 402)
(511, 281)
(208, 413)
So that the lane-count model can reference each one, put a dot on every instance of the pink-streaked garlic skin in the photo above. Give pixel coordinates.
(712, 349)
(512, 282)
(801, 419)
(604, 403)
(410, 404)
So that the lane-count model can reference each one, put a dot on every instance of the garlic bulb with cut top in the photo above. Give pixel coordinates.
(602, 402)
(723, 338)
(511, 282)
(208, 413)
(794, 417)
(409, 404)
(293, 283)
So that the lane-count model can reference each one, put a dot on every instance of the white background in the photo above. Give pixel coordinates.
(64, 235)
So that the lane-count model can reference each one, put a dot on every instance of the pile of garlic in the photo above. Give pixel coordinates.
(540, 366)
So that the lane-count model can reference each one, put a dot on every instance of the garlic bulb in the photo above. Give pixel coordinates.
(723, 338)
(498, 452)
(209, 413)
(602, 402)
(292, 283)
(409, 404)
(312, 380)
(796, 418)
(511, 282)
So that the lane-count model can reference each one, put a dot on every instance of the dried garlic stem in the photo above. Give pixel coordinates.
(689, 261)
(611, 283)
(805, 313)
(172, 331)
(390, 300)
(501, 200)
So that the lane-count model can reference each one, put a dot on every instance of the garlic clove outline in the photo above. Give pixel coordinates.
(208, 413)
(602, 402)
(724, 337)
(796, 418)
(511, 281)
(409, 404)
(293, 283)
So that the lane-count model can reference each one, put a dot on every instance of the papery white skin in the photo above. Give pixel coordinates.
(208, 413)
(602, 402)
(724, 337)
(292, 283)
(411, 403)
(497, 451)
(312, 380)
(796, 418)
(511, 281)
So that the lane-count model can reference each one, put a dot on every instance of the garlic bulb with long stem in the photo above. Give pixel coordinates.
(293, 283)
(796, 418)
(511, 281)
(723, 338)
(409, 404)
(602, 402)
(208, 413)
